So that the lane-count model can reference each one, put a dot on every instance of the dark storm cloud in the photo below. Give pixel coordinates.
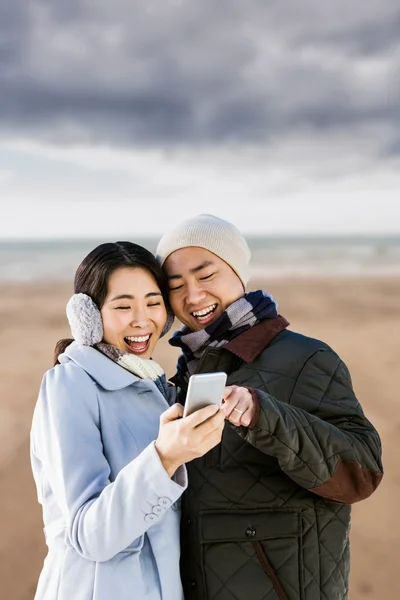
(196, 72)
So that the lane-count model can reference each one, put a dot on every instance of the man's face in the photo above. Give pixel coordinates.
(201, 286)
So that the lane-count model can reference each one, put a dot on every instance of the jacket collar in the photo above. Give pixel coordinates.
(102, 369)
(253, 341)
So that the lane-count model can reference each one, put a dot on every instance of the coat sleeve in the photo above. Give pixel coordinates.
(321, 438)
(102, 517)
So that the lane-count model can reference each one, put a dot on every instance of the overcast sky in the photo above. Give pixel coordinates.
(122, 118)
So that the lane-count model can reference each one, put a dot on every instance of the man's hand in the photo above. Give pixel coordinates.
(239, 405)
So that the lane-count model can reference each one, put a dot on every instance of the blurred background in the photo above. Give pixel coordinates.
(119, 119)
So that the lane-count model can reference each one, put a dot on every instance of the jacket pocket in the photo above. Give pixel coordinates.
(252, 554)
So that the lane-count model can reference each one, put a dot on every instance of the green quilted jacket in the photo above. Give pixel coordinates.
(267, 512)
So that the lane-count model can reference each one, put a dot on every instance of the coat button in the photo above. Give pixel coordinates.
(250, 531)
(189, 521)
(164, 502)
(193, 584)
(150, 518)
(157, 510)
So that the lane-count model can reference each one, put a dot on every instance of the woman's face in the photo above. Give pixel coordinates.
(133, 312)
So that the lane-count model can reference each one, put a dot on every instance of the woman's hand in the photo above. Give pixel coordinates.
(181, 440)
(239, 405)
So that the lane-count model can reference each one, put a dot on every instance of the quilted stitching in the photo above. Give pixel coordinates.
(242, 479)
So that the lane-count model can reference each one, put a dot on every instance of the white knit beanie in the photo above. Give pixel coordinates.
(211, 233)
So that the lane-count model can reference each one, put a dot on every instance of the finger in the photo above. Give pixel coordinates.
(239, 410)
(211, 431)
(235, 418)
(240, 399)
(213, 423)
(246, 419)
(229, 389)
(231, 403)
(172, 413)
(202, 414)
(236, 413)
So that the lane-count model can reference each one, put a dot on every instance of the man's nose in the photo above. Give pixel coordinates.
(195, 293)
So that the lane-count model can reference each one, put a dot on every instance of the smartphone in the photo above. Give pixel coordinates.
(204, 389)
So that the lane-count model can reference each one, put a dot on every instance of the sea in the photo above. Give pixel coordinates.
(57, 260)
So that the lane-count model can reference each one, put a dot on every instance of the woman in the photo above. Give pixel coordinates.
(107, 445)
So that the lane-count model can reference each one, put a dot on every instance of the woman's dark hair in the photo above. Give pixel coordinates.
(93, 273)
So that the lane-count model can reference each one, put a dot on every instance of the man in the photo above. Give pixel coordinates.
(267, 512)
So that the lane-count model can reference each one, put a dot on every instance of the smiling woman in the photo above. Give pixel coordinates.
(125, 283)
(133, 312)
(108, 446)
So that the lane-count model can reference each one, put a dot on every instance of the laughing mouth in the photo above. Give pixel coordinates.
(138, 338)
(205, 313)
(138, 343)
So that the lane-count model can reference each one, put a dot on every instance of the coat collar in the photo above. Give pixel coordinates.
(100, 368)
(248, 345)
(253, 341)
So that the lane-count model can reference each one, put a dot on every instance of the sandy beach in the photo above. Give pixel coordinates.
(359, 318)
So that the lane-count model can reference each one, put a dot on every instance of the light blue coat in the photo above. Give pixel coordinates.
(110, 511)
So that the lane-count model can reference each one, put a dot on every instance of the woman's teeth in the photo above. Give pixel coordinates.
(138, 339)
(138, 343)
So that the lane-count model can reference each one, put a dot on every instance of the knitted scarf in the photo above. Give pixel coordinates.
(142, 367)
(241, 315)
